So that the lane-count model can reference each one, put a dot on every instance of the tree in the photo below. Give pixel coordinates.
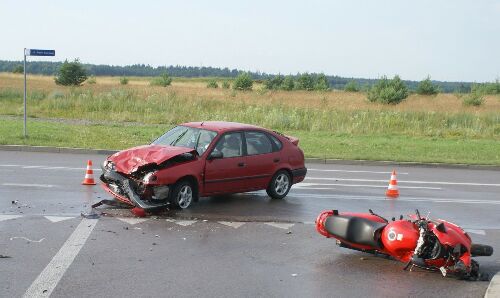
(388, 91)
(274, 83)
(322, 83)
(124, 80)
(226, 85)
(305, 82)
(71, 74)
(18, 69)
(426, 87)
(352, 86)
(243, 82)
(288, 83)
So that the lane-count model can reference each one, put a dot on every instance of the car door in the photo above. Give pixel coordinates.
(262, 159)
(226, 174)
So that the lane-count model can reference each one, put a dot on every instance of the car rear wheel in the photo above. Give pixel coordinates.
(183, 195)
(280, 185)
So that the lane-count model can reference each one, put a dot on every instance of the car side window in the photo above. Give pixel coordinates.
(258, 143)
(277, 144)
(230, 144)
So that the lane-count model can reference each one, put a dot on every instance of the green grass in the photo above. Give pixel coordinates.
(314, 144)
(127, 105)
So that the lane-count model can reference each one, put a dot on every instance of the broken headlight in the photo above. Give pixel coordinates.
(149, 177)
(108, 165)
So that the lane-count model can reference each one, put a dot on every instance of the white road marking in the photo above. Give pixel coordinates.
(48, 279)
(24, 238)
(347, 171)
(29, 185)
(41, 167)
(402, 198)
(57, 218)
(308, 186)
(233, 224)
(284, 226)
(494, 287)
(7, 217)
(474, 231)
(185, 223)
(132, 221)
(404, 181)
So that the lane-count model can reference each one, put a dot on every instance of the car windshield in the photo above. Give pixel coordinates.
(183, 136)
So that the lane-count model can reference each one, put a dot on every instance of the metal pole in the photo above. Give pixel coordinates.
(25, 133)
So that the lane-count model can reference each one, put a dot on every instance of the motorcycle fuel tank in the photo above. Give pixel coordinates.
(400, 239)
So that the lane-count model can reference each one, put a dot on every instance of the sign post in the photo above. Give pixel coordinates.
(32, 52)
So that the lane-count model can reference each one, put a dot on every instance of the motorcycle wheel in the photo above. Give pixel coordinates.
(481, 250)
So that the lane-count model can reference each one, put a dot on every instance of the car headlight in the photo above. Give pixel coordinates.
(109, 165)
(149, 177)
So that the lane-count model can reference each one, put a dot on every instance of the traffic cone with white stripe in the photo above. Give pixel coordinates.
(89, 175)
(392, 190)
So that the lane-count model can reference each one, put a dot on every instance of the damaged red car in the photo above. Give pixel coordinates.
(200, 159)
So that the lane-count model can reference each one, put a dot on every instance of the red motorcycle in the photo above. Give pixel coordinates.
(436, 245)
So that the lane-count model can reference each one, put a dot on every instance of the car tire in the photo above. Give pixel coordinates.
(280, 185)
(183, 195)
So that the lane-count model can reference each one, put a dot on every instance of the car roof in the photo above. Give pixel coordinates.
(221, 126)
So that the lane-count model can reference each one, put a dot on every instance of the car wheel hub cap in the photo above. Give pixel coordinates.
(185, 196)
(281, 185)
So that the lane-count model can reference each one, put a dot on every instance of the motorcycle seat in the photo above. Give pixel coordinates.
(356, 230)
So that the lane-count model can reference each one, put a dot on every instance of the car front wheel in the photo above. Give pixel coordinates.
(183, 195)
(280, 185)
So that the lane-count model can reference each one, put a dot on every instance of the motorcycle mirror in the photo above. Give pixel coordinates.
(393, 219)
(401, 217)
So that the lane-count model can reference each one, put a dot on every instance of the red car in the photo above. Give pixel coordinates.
(201, 159)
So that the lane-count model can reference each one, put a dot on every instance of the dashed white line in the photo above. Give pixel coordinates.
(29, 185)
(324, 186)
(349, 171)
(403, 181)
(48, 279)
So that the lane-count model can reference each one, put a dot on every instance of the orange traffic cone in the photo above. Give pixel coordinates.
(89, 175)
(392, 190)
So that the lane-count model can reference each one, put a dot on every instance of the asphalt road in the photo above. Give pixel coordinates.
(242, 245)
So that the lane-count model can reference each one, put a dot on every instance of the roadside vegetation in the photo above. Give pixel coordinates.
(333, 124)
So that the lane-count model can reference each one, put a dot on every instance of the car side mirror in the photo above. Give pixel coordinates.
(215, 155)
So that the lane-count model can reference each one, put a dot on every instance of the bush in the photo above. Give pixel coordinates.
(226, 85)
(124, 80)
(388, 91)
(305, 82)
(473, 99)
(164, 80)
(71, 74)
(212, 84)
(243, 82)
(426, 87)
(487, 88)
(91, 80)
(351, 86)
(18, 69)
(322, 83)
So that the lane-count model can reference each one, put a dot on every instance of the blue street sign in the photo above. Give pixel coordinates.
(37, 52)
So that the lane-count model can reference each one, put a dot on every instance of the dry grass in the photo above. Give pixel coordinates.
(192, 89)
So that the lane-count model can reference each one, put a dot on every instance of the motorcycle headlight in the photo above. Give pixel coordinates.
(149, 177)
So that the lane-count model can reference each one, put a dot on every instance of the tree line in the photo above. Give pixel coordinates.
(303, 80)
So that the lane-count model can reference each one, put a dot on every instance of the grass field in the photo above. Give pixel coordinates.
(333, 124)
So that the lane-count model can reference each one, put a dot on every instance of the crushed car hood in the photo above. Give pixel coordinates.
(128, 161)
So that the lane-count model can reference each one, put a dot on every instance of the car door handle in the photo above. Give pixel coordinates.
(276, 160)
(241, 164)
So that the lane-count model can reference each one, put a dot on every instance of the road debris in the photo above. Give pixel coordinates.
(5, 257)
(15, 202)
(294, 274)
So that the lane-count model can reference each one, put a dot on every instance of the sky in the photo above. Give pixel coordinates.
(450, 40)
